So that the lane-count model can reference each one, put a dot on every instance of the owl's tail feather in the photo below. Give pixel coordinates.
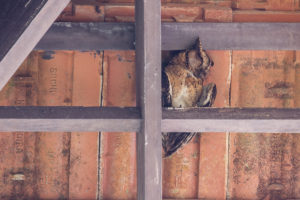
(172, 141)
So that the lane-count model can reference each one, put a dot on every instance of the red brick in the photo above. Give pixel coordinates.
(260, 163)
(118, 150)
(83, 177)
(181, 13)
(117, 13)
(213, 146)
(170, 13)
(180, 172)
(289, 5)
(297, 80)
(283, 5)
(52, 159)
(249, 4)
(265, 16)
(217, 14)
(213, 166)
(67, 12)
(17, 147)
(83, 13)
(224, 3)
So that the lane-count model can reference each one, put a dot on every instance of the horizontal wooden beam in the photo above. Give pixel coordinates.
(232, 113)
(250, 120)
(175, 36)
(232, 36)
(88, 36)
(53, 119)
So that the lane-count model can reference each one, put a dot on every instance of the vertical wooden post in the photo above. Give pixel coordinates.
(148, 66)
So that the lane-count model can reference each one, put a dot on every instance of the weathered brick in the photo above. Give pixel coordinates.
(261, 164)
(118, 150)
(119, 13)
(213, 146)
(266, 16)
(180, 172)
(224, 3)
(283, 5)
(181, 13)
(18, 175)
(83, 177)
(170, 13)
(53, 149)
(217, 14)
(82, 13)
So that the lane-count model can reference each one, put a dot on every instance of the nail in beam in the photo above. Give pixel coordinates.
(148, 62)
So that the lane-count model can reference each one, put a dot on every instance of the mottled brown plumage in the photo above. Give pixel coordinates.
(182, 87)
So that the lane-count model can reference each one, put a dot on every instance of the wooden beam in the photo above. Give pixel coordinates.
(148, 67)
(175, 36)
(88, 36)
(232, 36)
(250, 120)
(68, 119)
(23, 23)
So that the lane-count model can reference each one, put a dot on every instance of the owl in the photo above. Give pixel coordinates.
(182, 87)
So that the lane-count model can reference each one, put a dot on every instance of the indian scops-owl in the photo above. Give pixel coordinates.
(182, 87)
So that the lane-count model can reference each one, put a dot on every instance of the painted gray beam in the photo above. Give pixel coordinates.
(32, 30)
(88, 36)
(148, 70)
(232, 36)
(175, 36)
(249, 120)
(69, 119)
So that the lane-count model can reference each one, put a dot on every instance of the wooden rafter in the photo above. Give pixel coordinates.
(148, 70)
(23, 24)
(70, 119)
(216, 36)
(247, 120)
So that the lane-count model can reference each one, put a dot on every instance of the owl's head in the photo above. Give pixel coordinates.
(198, 60)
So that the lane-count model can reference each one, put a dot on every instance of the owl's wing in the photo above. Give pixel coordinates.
(166, 96)
(208, 95)
(172, 141)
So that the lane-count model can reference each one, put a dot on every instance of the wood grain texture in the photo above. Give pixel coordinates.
(129, 119)
(28, 35)
(88, 36)
(232, 36)
(232, 113)
(251, 120)
(69, 119)
(148, 70)
(215, 36)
